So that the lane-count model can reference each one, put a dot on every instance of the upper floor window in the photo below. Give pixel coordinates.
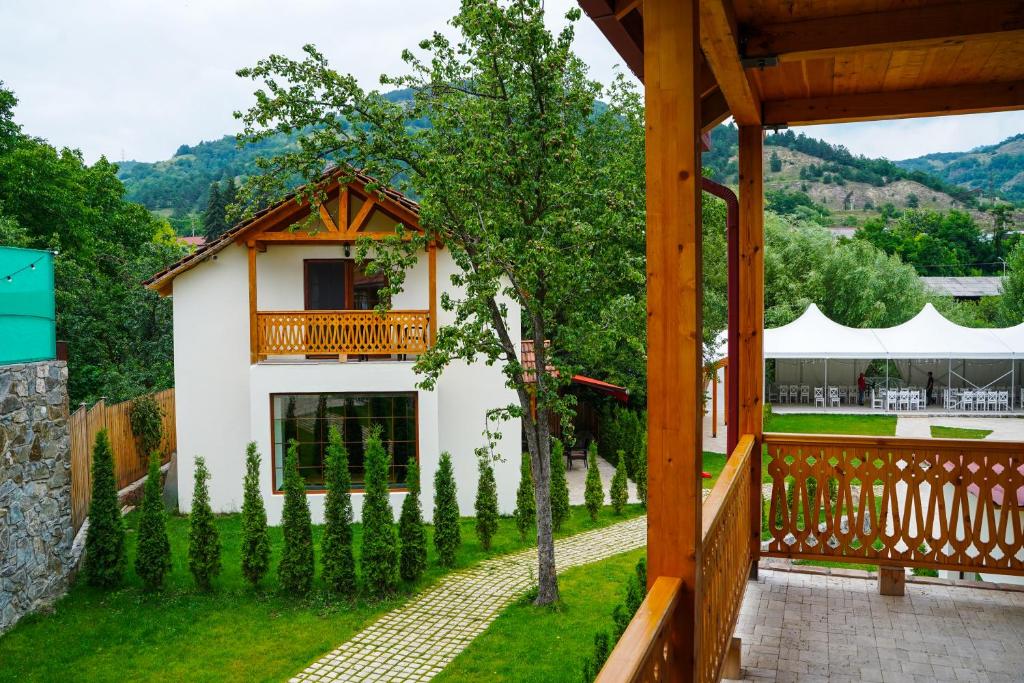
(341, 284)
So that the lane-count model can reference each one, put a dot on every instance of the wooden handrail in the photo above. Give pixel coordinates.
(280, 333)
(644, 653)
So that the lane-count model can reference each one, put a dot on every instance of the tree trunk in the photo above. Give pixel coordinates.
(540, 456)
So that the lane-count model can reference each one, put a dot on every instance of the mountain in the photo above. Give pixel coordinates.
(994, 169)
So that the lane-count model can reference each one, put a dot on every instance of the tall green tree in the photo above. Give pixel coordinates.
(379, 560)
(447, 533)
(339, 562)
(153, 549)
(105, 538)
(526, 504)
(560, 510)
(203, 537)
(513, 141)
(1011, 304)
(255, 538)
(412, 535)
(296, 569)
(486, 501)
(618, 491)
(593, 493)
(213, 217)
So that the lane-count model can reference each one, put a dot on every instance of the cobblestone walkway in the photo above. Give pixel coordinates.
(416, 641)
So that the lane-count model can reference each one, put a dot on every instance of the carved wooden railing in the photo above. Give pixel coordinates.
(341, 332)
(936, 503)
(647, 649)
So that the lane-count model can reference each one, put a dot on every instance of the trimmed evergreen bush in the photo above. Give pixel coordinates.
(560, 510)
(486, 501)
(526, 503)
(339, 562)
(641, 470)
(153, 550)
(412, 535)
(379, 561)
(295, 572)
(203, 538)
(105, 539)
(447, 535)
(255, 539)
(618, 492)
(593, 494)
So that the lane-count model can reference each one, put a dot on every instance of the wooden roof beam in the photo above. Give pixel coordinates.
(915, 27)
(719, 41)
(898, 104)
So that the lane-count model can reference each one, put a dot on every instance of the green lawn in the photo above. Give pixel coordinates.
(529, 644)
(232, 634)
(959, 433)
(826, 423)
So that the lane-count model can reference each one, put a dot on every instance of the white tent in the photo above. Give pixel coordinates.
(929, 334)
(814, 335)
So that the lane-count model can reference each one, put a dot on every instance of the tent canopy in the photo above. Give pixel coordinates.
(929, 334)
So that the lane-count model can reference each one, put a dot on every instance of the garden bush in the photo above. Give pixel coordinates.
(147, 422)
(339, 562)
(636, 589)
(105, 539)
(296, 570)
(619, 490)
(447, 534)
(203, 537)
(153, 549)
(593, 494)
(412, 535)
(526, 502)
(486, 501)
(560, 510)
(641, 470)
(379, 561)
(255, 539)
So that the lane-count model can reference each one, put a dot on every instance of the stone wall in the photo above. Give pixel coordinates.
(36, 532)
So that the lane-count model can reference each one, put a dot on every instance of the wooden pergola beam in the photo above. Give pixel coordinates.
(911, 28)
(719, 40)
(899, 104)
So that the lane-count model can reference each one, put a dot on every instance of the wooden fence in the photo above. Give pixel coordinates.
(341, 332)
(129, 464)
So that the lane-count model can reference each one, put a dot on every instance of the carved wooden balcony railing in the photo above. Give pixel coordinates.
(646, 652)
(935, 503)
(282, 333)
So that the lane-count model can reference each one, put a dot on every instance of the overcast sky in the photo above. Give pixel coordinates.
(134, 80)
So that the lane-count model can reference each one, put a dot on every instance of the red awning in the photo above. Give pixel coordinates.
(617, 392)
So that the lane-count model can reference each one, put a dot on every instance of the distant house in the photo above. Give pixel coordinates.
(964, 288)
(194, 241)
(276, 339)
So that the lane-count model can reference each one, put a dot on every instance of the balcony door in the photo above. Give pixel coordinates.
(327, 284)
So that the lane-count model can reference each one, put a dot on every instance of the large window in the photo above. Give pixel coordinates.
(307, 418)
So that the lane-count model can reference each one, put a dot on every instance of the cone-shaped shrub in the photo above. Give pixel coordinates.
(412, 535)
(203, 538)
(295, 572)
(379, 561)
(255, 540)
(104, 542)
(447, 535)
(486, 502)
(153, 551)
(560, 510)
(618, 492)
(339, 561)
(526, 503)
(593, 494)
(641, 470)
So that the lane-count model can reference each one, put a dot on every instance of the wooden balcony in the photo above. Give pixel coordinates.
(341, 333)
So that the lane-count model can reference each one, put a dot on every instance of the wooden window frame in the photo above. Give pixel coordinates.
(276, 491)
(348, 273)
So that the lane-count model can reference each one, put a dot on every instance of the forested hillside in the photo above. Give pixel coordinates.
(993, 169)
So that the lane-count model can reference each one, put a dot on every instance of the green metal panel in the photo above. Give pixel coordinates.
(27, 310)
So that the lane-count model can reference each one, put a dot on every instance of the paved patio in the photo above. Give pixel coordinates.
(815, 627)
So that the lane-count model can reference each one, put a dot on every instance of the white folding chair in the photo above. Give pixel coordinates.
(877, 400)
(904, 399)
(805, 393)
(1004, 400)
(967, 400)
(833, 397)
(992, 400)
(819, 397)
(915, 399)
(949, 399)
(794, 394)
(842, 395)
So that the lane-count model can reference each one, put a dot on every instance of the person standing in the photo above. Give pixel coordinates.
(928, 388)
(862, 386)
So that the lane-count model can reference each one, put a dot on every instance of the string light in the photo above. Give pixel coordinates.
(31, 266)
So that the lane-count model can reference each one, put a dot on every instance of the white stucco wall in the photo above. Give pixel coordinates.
(223, 402)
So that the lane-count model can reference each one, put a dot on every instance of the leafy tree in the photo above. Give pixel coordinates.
(203, 538)
(147, 420)
(486, 502)
(1011, 309)
(913, 201)
(619, 490)
(295, 572)
(105, 538)
(447, 534)
(379, 561)
(412, 535)
(255, 539)
(774, 162)
(560, 510)
(513, 139)
(153, 549)
(526, 506)
(593, 494)
(339, 562)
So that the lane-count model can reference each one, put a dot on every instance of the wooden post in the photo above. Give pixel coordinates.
(725, 392)
(253, 355)
(674, 345)
(432, 261)
(732, 668)
(714, 401)
(751, 301)
(892, 581)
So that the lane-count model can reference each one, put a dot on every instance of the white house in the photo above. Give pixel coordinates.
(275, 339)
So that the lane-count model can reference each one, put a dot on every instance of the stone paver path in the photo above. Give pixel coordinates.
(416, 641)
